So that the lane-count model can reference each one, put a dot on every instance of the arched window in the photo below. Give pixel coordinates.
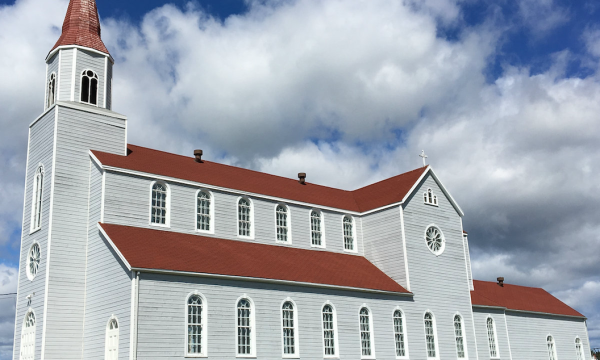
(245, 328)
(33, 261)
(430, 336)
(28, 337)
(244, 217)
(329, 331)
(551, 348)
(399, 334)
(491, 331)
(196, 338)
(51, 90)
(38, 193)
(430, 198)
(348, 233)
(203, 213)
(160, 199)
(289, 327)
(459, 336)
(112, 340)
(316, 233)
(365, 333)
(579, 349)
(89, 87)
(281, 219)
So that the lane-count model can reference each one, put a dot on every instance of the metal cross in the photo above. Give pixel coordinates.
(424, 157)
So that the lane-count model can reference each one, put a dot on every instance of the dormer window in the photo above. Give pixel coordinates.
(89, 87)
(51, 90)
(430, 198)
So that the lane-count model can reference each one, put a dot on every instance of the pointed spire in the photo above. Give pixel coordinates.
(82, 26)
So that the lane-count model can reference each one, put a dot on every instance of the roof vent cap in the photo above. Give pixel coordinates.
(501, 281)
(302, 178)
(198, 155)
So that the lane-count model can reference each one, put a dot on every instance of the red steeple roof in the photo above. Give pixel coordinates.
(82, 26)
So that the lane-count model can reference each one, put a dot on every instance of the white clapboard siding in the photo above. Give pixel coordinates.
(528, 333)
(108, 284)
(127, 202)
(41, 139)
(440, 283)
(66, 74)
(94, 62)
(480, 316)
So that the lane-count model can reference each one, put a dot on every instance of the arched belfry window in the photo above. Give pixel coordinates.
(28, 337)
(111, 351)
(89, 87)
(51, 90)
(36, 206)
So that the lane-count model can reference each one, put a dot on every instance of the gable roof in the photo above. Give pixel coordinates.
(189, 253)
(82, 26)
(386, 192)
(520, 298)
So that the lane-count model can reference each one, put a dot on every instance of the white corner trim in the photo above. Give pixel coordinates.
(46, 90)
(73, 73)
(58, 83)
(115, 248)
(95, 159)
(103, 196)
(42, 115)
(51, 53)
(404, 247)
(104, 81)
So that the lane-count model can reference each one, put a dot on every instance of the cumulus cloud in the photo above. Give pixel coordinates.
(8, 284)
(542, 16)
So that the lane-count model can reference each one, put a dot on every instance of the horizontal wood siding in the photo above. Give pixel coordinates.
(78, 132)
(66, 74)
(128, 203)
(108, 284)
(382, 233)
(528, 333)
(92, 61)
(440, 283)
(41, 142)
(483, 345)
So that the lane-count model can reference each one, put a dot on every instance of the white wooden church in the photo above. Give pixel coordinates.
(134, 253)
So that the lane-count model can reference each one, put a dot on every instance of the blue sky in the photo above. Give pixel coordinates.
(503, 95)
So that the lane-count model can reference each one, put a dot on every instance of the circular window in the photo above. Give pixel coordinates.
(435, 240)
(33, 261)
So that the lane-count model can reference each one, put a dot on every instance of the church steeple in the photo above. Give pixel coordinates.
(82, 26)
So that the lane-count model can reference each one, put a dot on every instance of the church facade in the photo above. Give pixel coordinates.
(134, 253)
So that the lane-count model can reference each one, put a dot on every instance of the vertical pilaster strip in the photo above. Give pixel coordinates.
(105, 82)
(45, 91)
(58, 73)
(404, 247)
(73, 74)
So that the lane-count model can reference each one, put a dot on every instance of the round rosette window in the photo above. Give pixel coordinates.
(33, 261)
(435, 240)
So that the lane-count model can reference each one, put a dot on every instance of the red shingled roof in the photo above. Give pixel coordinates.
(82, 26)
(516, 297)
(151, 161)
(166, 250)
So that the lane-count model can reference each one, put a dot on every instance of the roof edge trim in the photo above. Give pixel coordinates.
(272, 281)
(441, 185)
(582, 317)
(64, 47)
(115, 248)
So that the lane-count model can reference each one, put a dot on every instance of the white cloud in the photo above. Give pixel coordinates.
(542, 16)
(8, 284)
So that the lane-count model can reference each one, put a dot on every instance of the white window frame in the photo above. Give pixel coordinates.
(354, 239)
(237, 218)
(167, 223)
(554, 352)
(252, 328)
(211, 211)
(204, 325)
(579, 348)
(335, 332)
(288, 224)
(50, 101)
(106, 336)
(83, 73)
(495, 337)
(434, 199)
(31, 276)
(296, 354)
(441, 250)
(371, 332)
(322, 217)
(464, 338)
(435, 335)
(30, 334)
(37, 203)
(404, 333)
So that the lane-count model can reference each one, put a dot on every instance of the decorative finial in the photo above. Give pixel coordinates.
(424, 157)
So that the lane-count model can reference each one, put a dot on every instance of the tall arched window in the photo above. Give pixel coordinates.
(244, 217)
(37, 196)
(365, 333)
(159, 214)
(51, 90)
(289, 327)
(316, 233)
(579, 349)
(196, 338)
(348, 233)
(245, 328)
(399, 334)
(112, 340)
(551, 348)
(203, 211)
(492, 341)
(281, 220)
(459, 337)
(28, 337)
(89, 87)
(430, 336)
(329, 331)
